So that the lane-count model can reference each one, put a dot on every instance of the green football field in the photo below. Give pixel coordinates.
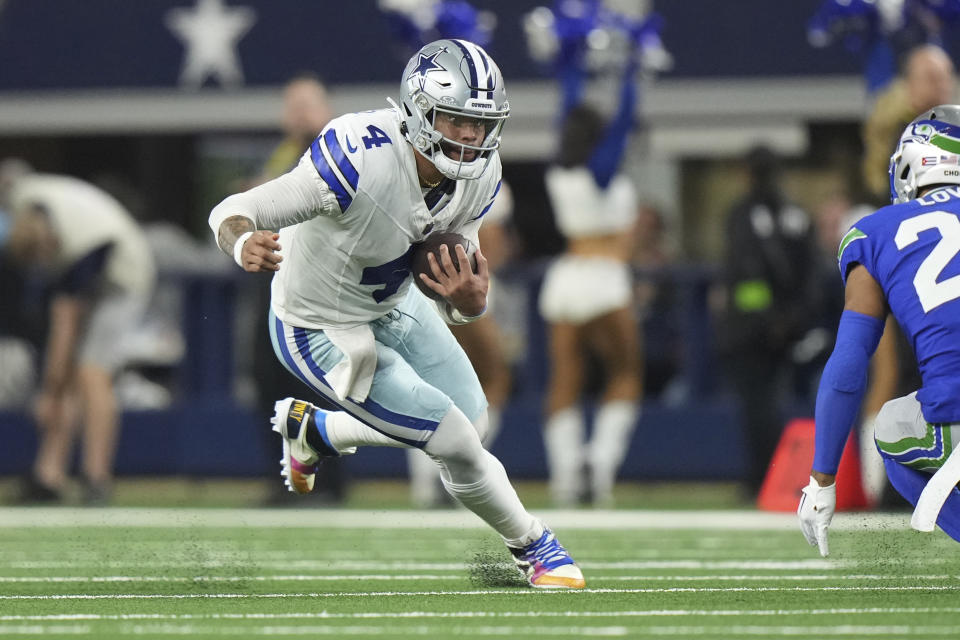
(161, 573)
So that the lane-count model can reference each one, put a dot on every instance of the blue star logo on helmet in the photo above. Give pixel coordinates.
(426, 64)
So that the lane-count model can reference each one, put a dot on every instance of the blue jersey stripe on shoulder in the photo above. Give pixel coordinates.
(329, 176)
(340, 158)
(497, 189)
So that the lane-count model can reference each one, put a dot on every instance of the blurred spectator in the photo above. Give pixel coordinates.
(484, 345)
(833, 217)
(101, 270)
(656, 306)
(306, 112)
(926, 81)
(587, 299)
(771, 289)
(650, 248)
(21, 322)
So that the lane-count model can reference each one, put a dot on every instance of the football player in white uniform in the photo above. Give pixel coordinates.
(338, 230)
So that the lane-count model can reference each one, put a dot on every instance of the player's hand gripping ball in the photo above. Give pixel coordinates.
(420, 264)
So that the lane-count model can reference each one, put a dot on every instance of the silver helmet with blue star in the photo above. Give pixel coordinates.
(455, 81)
(928, 153)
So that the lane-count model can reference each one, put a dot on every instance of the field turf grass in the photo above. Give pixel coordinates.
(214, 573)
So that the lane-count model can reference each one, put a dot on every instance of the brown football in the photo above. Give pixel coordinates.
(432, 244)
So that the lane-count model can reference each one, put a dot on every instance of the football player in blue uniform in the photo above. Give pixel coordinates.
(344, 318)
(902, 259)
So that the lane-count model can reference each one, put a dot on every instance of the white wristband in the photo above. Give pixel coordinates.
(238, 247)
(459, 318)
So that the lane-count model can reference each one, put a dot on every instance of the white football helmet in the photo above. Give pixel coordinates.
(928, 153)
(458, 79)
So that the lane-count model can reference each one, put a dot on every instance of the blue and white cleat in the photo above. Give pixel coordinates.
(547, 565)
(292, 419)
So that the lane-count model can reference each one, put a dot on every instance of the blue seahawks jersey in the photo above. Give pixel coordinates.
(911, 250)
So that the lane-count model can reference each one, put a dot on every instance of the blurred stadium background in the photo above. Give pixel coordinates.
(171, 120)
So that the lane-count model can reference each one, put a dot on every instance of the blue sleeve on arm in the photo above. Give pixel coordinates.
(572, 79)
(606, 156)
(842, 386)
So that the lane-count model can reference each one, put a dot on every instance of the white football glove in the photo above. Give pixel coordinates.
(816, 511)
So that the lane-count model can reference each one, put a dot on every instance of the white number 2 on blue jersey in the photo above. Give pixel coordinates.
(932, 294)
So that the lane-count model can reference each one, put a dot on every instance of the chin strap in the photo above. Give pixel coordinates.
(399, 114)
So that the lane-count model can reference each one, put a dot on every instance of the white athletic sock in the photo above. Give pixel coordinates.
(612, 429)
(495, 501)
(346, 433)
(425, 486)
(872, 472)
(476, 479)
(563, 439)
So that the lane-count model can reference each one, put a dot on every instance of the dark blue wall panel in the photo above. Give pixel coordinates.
(84, 44)
(699, 441)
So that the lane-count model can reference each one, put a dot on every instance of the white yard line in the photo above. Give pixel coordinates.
(402, 577)
(182, 624)
(402, 519)
(338, 631)
(204, 579)
(21, 630)
(874, 631)
(475, 592)
(324, 615)
(812, 564)
(174, 629)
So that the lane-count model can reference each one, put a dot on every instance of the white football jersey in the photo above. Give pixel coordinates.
(348, 216)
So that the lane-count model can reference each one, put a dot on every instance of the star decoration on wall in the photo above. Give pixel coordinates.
(210, 32)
